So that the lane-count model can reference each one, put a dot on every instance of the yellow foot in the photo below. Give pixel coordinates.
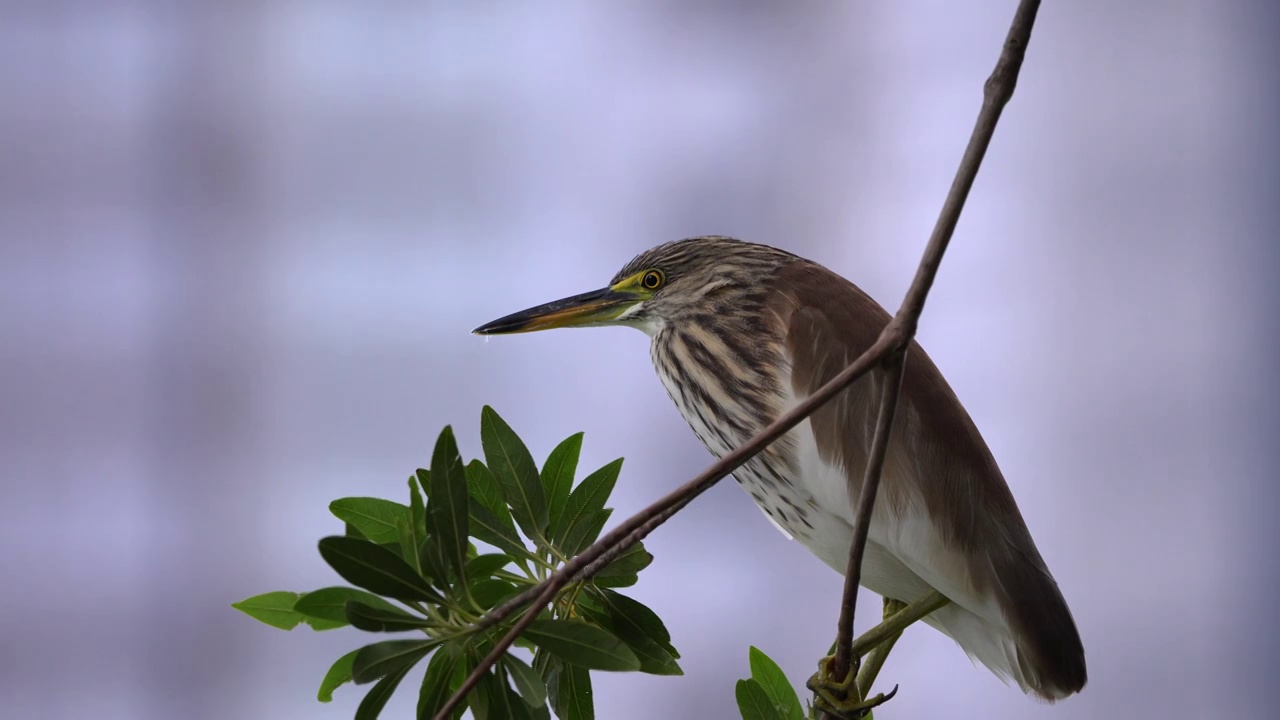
(839, 696)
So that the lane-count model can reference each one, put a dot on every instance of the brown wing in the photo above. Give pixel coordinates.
(973, 544)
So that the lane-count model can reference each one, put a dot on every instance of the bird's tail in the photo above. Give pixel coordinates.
(1034, 643)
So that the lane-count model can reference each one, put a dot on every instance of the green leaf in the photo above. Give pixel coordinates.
(377, 697)
(376, 569)
(581, 644)
(412, 544)
(774, 682)
(380, 619)
(631, 561)
(500, 702)
(339, 674)
(433, 565)
(585, 532)
(624, 569)
(330, 603)
(557, 475)
(408, 550)
(617, 581)
(586, 501)
(352, 531)
(520, 710)
(545, 664)
(480, 701)
(654, 658)
(273, 608)
(510, 461)
(633, 616)
(479, 696)
(753, 702)
(375, 518)
(486, 491)
(383, 658)
(319, 625)
(449, 502)
(484, 566)
(445, 673)
(486, 527)
(570, 692)
(490, 592)
(531, 687)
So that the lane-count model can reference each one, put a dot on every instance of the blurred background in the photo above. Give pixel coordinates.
(242, 245)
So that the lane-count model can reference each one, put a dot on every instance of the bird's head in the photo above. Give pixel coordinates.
(659, 286)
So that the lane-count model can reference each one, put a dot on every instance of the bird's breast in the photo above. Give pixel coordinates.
(772, 477)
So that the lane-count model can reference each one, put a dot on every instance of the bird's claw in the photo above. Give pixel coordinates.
(852, 709)
(839, 697)
(822, 680)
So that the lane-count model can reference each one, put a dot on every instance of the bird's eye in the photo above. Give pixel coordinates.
(652, 280)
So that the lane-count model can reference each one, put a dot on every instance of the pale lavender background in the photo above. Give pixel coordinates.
(243, 244)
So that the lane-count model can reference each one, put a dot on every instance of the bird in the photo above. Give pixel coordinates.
(740, 333)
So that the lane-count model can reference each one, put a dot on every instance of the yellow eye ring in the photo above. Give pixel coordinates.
(652, 280)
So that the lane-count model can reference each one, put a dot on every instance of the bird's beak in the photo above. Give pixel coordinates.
(597, 307)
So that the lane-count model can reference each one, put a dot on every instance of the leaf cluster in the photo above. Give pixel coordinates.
(767, 694)
(417, 568)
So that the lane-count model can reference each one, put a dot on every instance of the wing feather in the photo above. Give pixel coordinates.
(945, 511)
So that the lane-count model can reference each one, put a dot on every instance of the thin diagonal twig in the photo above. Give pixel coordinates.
(894, 339)
(842, 665)
(997, 92)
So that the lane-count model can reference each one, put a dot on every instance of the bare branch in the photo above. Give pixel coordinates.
(997, 92)
(893, 340)
(866, 503)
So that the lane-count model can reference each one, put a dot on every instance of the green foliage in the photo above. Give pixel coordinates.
(416, 569)
(569, 689)
(753, 702)
(339, 674)
(582, 644)
(518, 477)
(449, 509)
(330, 603)
(273, 608)
(375, 518)
(767, 694)
(445, 672)
(557, 476)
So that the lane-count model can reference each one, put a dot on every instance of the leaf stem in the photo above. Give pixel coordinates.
(513, 577)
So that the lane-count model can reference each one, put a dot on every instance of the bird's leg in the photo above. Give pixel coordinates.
(875, 659)
(843, 697)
